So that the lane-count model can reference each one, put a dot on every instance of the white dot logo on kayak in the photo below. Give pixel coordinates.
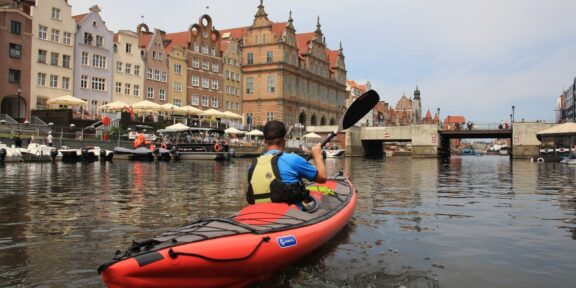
(286, 241)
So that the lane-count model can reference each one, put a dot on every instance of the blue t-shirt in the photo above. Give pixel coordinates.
(293, 167)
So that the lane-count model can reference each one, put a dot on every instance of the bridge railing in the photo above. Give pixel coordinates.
(478, 126)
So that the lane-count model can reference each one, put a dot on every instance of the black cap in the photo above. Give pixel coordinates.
(274, 129)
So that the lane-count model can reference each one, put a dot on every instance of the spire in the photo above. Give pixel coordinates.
(261, 17)
(261, 12)
(318, 30)
(290, 21)
(416, 93)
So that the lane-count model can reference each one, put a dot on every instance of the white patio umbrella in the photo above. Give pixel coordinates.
(232, 115)
(178, 127)
(190, 110)
(146, 105)
(68, 100)
(233, 130)
(255, 133)
(312, 135)
(214, 113)
(114, 106)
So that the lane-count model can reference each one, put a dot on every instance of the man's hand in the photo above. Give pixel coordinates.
(316, 152)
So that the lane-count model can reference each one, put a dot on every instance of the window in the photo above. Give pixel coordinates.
(84, 81)
(195, 100)
(256, 39)
(66, 59)
(67, 38)
(249, 85)
(54, 58)
(164, 77)
(271, 84)
(215, 67)
(204, 34)
(157, 75)
(205, 48)
(55, 13)
(205, 65)
(195, 81)
(150, 93)
(269, 56)
(176, 102)
(205, 83)
(128, 68)
(118, 87)
(53, 81)
(66, 83)
(99, 41)
(263, 38)
(269, 116)
(15, 50)
(84, 60)
(177, 68)
(249, 118)
(205, 101)
(98, 84)
(128, 48)
(42, 103)
(250, 59)
(227, 74)
(41, 80)
(214, 102)
(42, 56)
(127, 89)
(119, 66)
(214, 85)
(99, 61)
(213, 51)
(87, 38)
(196, 47)
(177, 86)
(15, 27)
(42, 32)
(136, 90)
(55, 36)
(14, 76)
(137, 70)
(195, 63)
(162, 95)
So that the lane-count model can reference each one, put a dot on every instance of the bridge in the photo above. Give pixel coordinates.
(429, 140)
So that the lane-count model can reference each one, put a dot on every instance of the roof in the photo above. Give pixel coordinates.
(302, 40)
(144, 39)
(455, 119)
(79, 18)
(176, 39)
(566, 128)
(428, 115)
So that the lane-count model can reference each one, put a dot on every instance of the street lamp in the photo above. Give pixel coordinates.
(438, 113)
(513, 107)
(19, 94)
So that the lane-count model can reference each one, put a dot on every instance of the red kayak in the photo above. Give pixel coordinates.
(238, 250)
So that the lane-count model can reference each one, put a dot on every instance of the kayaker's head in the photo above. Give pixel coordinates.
(274, 133)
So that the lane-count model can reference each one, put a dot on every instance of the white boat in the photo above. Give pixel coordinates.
(504, 151)
(335, 153)
(87, 154)
(38, 153)
(9, 153)
(568, 161)
(195, 143)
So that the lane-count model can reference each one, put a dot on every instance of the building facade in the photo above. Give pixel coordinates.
(93, 68)
(15, 43)
(287, 76)
(232, 73)
(566, 104)
(177, 75)
(128, 68)
(53, 42)
(155, 63)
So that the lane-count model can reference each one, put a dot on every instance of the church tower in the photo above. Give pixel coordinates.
(416, 108)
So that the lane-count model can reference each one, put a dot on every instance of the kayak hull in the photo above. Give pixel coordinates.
(238, 260)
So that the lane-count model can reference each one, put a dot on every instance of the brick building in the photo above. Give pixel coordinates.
(155, 64)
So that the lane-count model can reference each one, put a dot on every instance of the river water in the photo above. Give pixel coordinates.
(467, 222)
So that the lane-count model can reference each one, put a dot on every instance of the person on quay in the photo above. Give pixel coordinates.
(49, 139)
(277, 176)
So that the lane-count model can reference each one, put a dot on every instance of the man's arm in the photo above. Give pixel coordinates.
(319, 163)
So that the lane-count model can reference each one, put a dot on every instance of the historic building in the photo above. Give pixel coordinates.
(15, 43)
(287, 76)
(53, 39)
(232, 73)
(93, 68)
(177, 75)
(155, 63)
(355, 90)
(566, 105)
(128, 68)
(416, 108)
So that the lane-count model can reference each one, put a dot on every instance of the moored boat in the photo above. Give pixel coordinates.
(195, 143)
(238, 250)
(335, 153)
(138, 154)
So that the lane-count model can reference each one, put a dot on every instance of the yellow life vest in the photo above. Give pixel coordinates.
(263, 173)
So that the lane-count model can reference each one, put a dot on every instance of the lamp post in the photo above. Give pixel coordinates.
(438, 113)
(513, 107)
(19, 94)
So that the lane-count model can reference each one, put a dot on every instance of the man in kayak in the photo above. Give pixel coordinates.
(277, 176)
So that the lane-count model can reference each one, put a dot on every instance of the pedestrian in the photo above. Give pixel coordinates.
(18, 140)
(49, 139)
(501, 126)
(277, 176)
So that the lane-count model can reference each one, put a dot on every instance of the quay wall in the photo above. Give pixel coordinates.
(524, 141)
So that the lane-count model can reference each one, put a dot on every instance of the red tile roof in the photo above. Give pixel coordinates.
(144, 39)
(428, 115)
(79, 18)
(303, 40)
(116, 37)
(455, 119)
(176, 39)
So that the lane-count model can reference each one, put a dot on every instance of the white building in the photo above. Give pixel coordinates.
(53, 32)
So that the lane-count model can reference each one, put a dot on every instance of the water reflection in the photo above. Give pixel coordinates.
(470, 221)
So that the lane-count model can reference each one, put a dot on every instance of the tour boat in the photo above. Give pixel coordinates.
(195, 143)
(235, 251)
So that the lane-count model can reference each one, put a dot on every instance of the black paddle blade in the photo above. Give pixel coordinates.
(358, 109)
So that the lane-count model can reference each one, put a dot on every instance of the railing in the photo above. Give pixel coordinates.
(7, 119)
(477, 126)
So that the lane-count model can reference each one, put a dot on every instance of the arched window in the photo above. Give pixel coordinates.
(322, 121)
(313, 120)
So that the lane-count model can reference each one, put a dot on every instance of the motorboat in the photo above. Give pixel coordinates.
(138, 154)
(504, 151)
(38, 153)
(87, 154)
(195, 143)
(568, 161)
(334, 153)
(9, 153)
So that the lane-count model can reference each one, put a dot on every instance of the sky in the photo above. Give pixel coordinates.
(474, 58)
